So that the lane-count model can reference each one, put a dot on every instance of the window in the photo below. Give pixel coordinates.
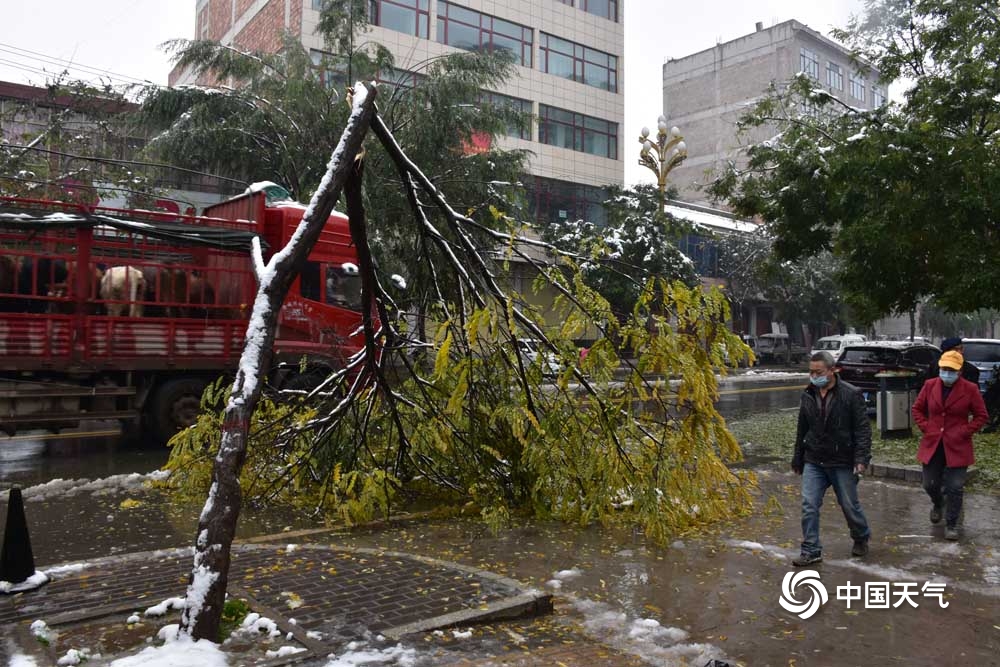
(342, 288)
(566, 2)
(330, 71)
(834, 76)
(203, 24)
(809, 63)
(703, 253)
(514, 129)
(577, 132)
(878, 97)
(986, 353)
(470, 30)
(318, 5)
(858, 87)
(407, 16)
(550, 200)
(578, 63)
(605, 8)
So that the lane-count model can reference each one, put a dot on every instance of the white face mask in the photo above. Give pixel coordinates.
(949, 377)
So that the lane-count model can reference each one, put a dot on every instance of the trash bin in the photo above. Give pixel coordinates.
(896, 392)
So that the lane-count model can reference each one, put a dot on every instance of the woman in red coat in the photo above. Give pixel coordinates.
(942, 412)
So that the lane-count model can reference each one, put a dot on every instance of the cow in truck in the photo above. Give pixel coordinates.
(117, 314)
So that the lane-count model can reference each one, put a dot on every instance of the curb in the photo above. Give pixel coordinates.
(907, 473)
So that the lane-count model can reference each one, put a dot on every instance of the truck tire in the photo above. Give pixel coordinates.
(175, 406)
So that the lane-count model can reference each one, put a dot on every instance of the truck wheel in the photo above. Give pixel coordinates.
(176, 405)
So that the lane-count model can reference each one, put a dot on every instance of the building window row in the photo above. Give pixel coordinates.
(550, 200)
(580, 63)
(878, 97)
(471, 30)
(604, 8)
(474, 31)
(517, 130)
(578, 132)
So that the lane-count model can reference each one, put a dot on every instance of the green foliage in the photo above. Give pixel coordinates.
(905, 195)
(638, 242)
(233, 613)
(477, 431)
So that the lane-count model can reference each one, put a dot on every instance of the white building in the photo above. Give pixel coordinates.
(569, 73)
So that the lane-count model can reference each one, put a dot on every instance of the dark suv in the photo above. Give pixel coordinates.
(860, 362)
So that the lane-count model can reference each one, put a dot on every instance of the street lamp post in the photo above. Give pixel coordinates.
(663, 154)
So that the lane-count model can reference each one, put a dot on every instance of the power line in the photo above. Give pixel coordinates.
(69, 64)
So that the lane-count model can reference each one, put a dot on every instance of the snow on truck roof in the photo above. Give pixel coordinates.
(34, 219)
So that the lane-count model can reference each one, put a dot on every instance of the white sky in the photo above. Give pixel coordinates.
(122, 37)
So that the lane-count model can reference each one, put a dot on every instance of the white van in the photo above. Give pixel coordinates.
(835, 344)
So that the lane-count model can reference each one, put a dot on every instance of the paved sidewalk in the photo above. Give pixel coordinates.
(321, 596)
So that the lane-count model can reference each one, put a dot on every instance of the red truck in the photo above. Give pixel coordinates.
(114, 314)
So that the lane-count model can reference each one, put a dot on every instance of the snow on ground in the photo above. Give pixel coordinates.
(29, 584)
(21, 660)
(357, 655)
(255, 624)
(74, 657)
(642, 637)
(107, 485)
(775, 552)
(179, 651)
(165, 606)
(57, 572)
(759, 374)
(563, 575)
(462, 634)
(41, 631)
(283, 651)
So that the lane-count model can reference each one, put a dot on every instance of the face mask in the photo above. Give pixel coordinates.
(820, 381)
(949, 377)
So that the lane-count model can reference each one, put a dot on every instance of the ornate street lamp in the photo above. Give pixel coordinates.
(663, 154)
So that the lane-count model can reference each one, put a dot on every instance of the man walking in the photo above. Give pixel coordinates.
(833, 446)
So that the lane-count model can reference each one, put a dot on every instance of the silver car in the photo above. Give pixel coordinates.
(984, 354)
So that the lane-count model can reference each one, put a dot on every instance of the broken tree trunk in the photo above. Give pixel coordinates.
(206, 592)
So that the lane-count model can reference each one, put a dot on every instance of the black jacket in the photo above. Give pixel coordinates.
(846, 436)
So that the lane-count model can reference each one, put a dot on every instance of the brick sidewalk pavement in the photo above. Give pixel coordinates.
(341, 594)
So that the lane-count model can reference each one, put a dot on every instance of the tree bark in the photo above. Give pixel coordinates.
(206, 591)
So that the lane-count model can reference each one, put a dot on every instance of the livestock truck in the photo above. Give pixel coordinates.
(115, 314)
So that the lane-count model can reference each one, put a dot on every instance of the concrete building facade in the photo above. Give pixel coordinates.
(569, 73)
(705, 93)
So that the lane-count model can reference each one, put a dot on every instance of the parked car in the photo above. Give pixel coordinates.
(984, 354)
(859, 363)
(744, 360)
(778, 348)
(532, 351)
(836, 344)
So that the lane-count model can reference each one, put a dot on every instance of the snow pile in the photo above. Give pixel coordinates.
(642, 637)
(107, 485)
(57, 572)
(283, 651)
(563, 575)
(178, 651)
(398, 280)
(74, 657)
(21, 660)
(255, 624)
(466, 634)
(41, 631)
(293, 600)
(350, 268)
(29, 584)
(356, 656)
(165, 606)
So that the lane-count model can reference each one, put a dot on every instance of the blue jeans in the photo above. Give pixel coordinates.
(815, 481)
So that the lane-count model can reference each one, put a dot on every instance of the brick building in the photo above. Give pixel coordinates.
(705, 93)
(569, 74)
